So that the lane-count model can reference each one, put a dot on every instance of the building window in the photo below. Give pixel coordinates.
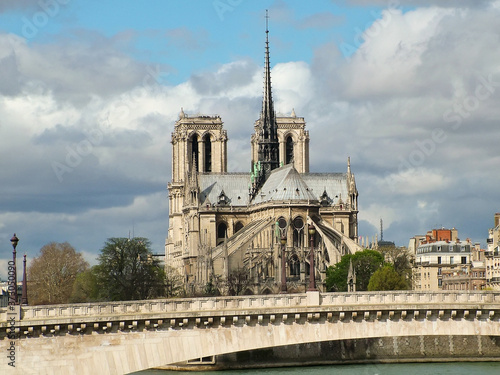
(452, 261)
(439, 260)
(221, 232)
(194, 152)
(294, 266)
(464, 260)
(440, 283)
(238, 226)
(298, 231)
(439, 271)
(208, 153)
(289, 150)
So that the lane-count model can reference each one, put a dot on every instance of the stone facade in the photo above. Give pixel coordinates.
(445, 263)
(221, 222)
(435, 259)
(492, 256)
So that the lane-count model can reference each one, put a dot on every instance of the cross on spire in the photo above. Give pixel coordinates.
(267, 22)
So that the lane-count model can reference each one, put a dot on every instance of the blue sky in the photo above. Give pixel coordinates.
(90, 90)
(196, 35)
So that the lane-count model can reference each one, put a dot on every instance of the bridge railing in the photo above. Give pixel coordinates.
(410, 297)
(258, 302)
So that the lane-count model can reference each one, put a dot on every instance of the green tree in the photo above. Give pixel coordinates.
(127, 270)
(365, 263)
(85, 288)
(401, 260)
(52, 274)
(387, 278)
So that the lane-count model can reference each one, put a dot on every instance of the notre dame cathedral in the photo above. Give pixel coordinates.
(258, 222)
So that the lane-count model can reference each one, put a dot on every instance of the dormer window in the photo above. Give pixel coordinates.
(222, 200)
(325, 199)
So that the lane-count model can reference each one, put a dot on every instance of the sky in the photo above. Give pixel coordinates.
(90, 91)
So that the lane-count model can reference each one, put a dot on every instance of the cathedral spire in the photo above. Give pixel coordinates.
(268, 153)
(267, 113)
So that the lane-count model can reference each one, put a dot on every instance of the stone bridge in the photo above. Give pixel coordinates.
(124, 337)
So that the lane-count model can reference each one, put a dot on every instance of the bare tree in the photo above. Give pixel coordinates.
(173, 283)
(52, 274)
(238, 281)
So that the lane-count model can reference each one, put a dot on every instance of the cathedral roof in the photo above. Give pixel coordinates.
(335, 185)
(234, 186)
(284, 184)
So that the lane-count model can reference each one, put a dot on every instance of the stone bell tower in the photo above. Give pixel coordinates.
(199, 145)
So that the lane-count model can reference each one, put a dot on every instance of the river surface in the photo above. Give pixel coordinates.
(454, 368)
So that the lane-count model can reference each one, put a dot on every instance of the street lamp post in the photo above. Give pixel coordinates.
(24, 296)
(283, 262)
(14, 240)
(312, 283)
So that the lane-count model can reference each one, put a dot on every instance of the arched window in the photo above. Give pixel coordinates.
(281, 229)
(221, 232)
(208, 153)
(298, 231)
(289, 150)
(194, 151)
(294, 266)
(238, 226)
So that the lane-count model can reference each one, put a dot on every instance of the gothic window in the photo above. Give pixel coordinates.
(208, 153)
(289, 150)
(194, 151)
(294, 266)
(238, 226)
(298, 231)
(221, 232)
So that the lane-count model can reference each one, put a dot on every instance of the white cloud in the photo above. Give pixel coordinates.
(415, 181)
(387, 61)
(381, 107)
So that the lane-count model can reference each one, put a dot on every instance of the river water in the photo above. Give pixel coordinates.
(453, 368)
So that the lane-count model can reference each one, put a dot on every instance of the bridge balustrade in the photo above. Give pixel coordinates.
(214, 304)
